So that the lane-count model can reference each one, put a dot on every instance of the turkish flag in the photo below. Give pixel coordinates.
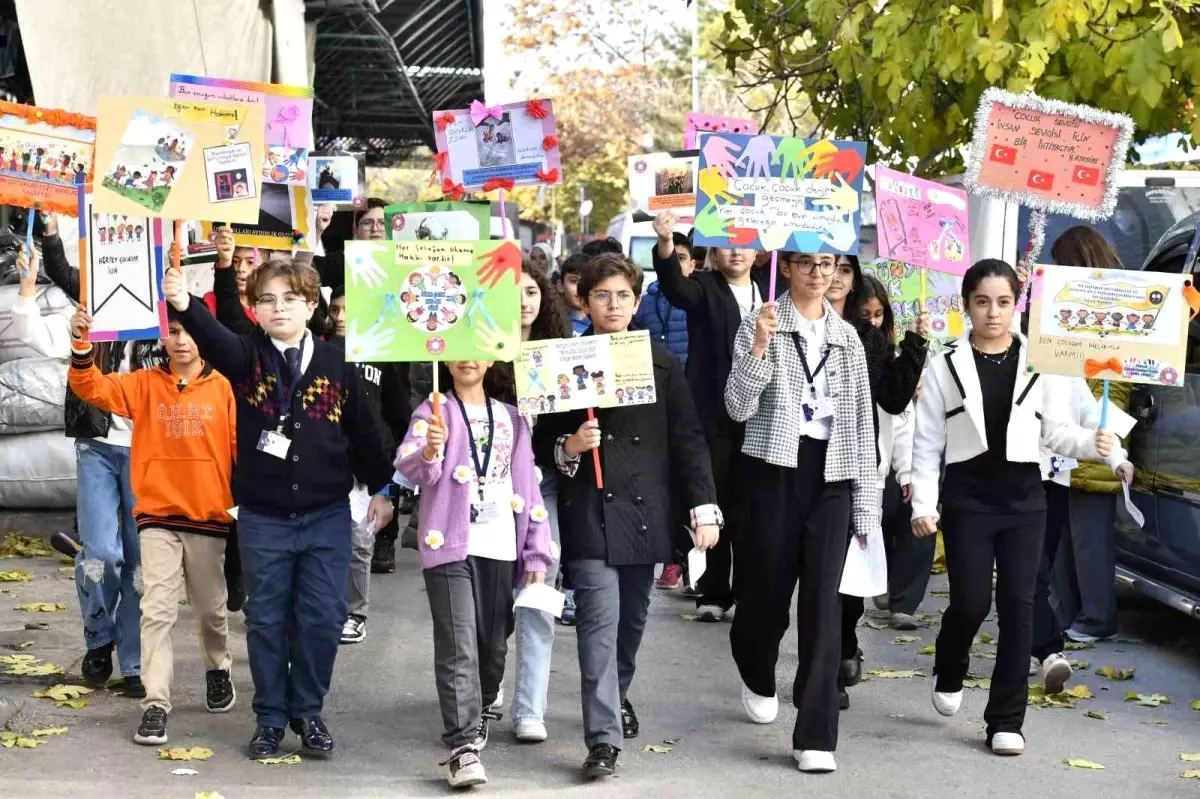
(1003, 155)
(1087, 175)
(1040, 180)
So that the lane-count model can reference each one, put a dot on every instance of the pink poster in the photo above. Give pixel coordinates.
(289, 109)
(921, 222)
(696, 124)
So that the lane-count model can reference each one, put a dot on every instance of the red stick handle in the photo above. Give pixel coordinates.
(596, 454)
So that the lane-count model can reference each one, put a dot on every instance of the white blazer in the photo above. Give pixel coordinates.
(895, 444)
(950, 423)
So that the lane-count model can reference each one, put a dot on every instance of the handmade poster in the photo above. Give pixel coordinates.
(433, 300)
(286, 219)
(1109, 323)
(664, 182)
(44, 154)
(1047, 154)
(288, 110)
(122, 279)
(779, 193)
(287, 166)
(438, 221)
(943, 297)
(498, 146)
(569, 374)
(921, 222)
(339, 178)
(175, 159)
(696, 123)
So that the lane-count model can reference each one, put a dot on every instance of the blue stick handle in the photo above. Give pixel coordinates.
(1104, 407)
(29, 233)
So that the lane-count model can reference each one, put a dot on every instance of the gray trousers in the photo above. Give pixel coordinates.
(358, 588)
(1084, 593)
(471, 604)
(610, 615)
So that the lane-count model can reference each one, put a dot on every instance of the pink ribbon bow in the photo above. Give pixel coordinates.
(480, 112)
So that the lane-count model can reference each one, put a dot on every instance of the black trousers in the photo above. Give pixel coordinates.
(799, 525)
(1047, 631)
(716, 585)
(910, 559)
(974, 541)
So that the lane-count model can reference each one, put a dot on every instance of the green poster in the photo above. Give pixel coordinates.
(943, 296)
(433, 300)
(438, 221)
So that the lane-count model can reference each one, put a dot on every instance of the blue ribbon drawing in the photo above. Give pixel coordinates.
(535, 381)
(390, 309)
(478, 306)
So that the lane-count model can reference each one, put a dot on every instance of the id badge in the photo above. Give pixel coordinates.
(484, 512)
(819, 408)
(274, 444)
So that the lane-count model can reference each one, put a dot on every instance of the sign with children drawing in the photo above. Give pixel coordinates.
(177, 159)
(921, 222)
(486, 147)
(943, 297)
(664, 182)
(779, 193)
(433, 300)
(569, 374)
(121, 281)
(1109, 323)
(44, 155)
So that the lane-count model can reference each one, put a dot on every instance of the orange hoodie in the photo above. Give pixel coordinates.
(184, 440)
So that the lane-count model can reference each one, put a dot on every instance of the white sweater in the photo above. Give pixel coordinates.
(50, 335)
(1085, 412)
(895, 444)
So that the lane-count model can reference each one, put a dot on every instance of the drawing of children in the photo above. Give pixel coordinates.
(538, 357)
(1147, 322)
(65, 164)
(598, 379)
(581, 375)
(1131, 322)
(37, 160)
(168, 176)
(650, 393)
(564, 387)
(550, 402)
(80, 174)
(112, 234)
(451, 317)
(416, 280)
(1098, 318)
(1115, 319)
(406, 297)
(620, 396)
(1082, 316)
(1064, 317)
(103, 235)
(415, 314)
(132, 179)
(12, 160)
(432, 324)
(153, 176)
(119, 175)
(138, 232)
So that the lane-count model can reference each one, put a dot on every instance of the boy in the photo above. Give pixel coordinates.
(611, 539)
(716, 303)
(568, 281)
(301, 414)
(182, 453)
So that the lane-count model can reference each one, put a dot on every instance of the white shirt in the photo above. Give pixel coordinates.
(747, 297)
(495, 538)
(305, 353)
(813, 333)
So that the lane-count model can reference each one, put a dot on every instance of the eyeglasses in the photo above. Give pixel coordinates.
(290, 301)
(623, 298)
(373, 224)
(807, 266)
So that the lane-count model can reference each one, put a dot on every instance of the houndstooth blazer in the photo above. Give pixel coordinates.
(766, 394)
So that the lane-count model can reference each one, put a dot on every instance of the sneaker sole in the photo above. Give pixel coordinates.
(149, 740)
(532, 738)
(1056, 678)
(467, 782)
(226, 708)
(598, 772)
(1008, 752)
(349, 641)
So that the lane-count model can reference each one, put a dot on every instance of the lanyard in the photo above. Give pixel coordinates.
(810, 376)
(480, 469)
(753, 296)
(285, 408)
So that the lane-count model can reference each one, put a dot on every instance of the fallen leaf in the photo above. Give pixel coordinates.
(42, 607)
(209, 794)
(1147, 700)
(15, 659)
(896, 674)
(1067, 699)
(1190, 758)
(1195, 704)
(179, 753)
(1079, 692)
(24, 645)
(1096, 714)
(74, 704)
(49, 731)
(984, 683)
(1078, 665)
(288, 760)
(876, 625)
(1084, 764)
(984, 638)
(928, 650)
(36, 625)
(63, 691)
(940, 592)
(25, 546)
(1122, 640)
(900, 640)
(685, 617)
(1075, 646)
(15, 576)
(184, 772)
(1156, 722)
(1191, 774)
(1114, 673)
(10, 739)
(658, 750)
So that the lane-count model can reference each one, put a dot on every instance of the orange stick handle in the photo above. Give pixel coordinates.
(596, 454)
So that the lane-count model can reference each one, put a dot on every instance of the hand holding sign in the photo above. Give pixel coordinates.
(27, 269)
(1104, 443)
(81, 322)
(174, 289)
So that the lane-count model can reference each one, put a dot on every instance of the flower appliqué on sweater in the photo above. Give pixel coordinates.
(434, 539)
(462, 474)
(538, 514)
(420, 428)
(518, 503)
(408, 449)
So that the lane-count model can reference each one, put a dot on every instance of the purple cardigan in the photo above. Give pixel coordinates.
(445, 518)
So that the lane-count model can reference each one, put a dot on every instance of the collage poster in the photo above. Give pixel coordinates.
(44, 155)
(339, 178)
(943, 297)
(570, 374)
(517, 142)
(664, 182)
(921, 222)
(286, 219)
(122, 284)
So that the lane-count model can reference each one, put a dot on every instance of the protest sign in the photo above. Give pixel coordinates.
(339, 178)
(176, 159)
(696, 123)
(570, 374)
(121, 278)
(288, 110)
(664, 182)
(438, 221)
(433, 300)
(44, 155)
(1047, 154)
(497, 147)
(1109, 323)
(921, 222)
(942, 297)
(779, 193)
(286, 220)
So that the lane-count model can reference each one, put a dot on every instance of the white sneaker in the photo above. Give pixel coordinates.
(1008, 743)
(1079, 636)
(464, 769)
(813, 762)
(531, 731)
(354, 631)
(499, 703)
(1056, 670)
(709, 613)
(1034, 666)
(760, 709)
(946, 703)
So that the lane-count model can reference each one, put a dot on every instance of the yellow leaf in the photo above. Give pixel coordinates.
(74, 704)
(896, 674)
(1156, 722)
(24, 546)
(179, 753)
(1079, 692)
(32, 670)
(15, 659)
(62, 692)
(984, 638)
(50, 731)
(997, 10)
(1084, 764)
(1073, 646)
(209, 794)
(928, 650)
(1191, 774)
(1195, 704)
(1172, 38)
(15, 576)
(1113, 673)
(10, 739)
(688, 616)
(1147, 700)
(42, 607)
(1096, 714)
(983, 683)
(659, 750)
(283, 760)
(1190, 758)
(900, 640)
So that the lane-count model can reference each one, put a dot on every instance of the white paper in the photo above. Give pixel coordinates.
(360, 500)
(697, 563)
(1119, 422)
(1135, 513)
(865, 573)
(540, 596)
(233, 512)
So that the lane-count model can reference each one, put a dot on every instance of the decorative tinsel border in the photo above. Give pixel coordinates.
(1122, 123)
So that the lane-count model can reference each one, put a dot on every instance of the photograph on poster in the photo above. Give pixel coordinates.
(516, 142)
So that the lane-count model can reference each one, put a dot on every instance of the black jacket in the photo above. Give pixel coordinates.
(648, 452)
(713, 319)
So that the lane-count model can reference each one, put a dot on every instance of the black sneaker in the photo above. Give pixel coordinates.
(265, 742)
(843, 699)
(219, 693)
(481, 732)
(383, 561)
(601, 761)
(314, 735)
(66, 544)
(153, 729)
(97, 665)
(131, 688)
(629, 720)
(851, 670)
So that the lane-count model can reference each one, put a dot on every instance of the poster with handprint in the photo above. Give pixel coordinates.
(779, 193)
(428, 300)
(921, 222)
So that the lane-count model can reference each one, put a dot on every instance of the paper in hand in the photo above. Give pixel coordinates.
(697, 563)
(865, 573)
(1134, 511)
(540, 596)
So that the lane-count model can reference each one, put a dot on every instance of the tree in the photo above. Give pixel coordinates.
(906, 75)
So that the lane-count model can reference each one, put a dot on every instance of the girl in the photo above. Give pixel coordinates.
(985, 414)
(483, 531)
(808, 475)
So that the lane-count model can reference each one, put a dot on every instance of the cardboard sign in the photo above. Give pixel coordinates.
(44, 155)
(517, 142)
(433, 300)
(288, 109)
(696, 123)
(286, 220)
(121, 281)
(1109, 323)
(779, 193)
(664, 182)
(943, 297)
(570, 374)
(1048, 154)
(921, 222)
(438, 221)
(339, 178)
(176, 159)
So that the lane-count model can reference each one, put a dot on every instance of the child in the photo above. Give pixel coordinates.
(567, 282)
(483, 530)
(182, 453)
(302, 414)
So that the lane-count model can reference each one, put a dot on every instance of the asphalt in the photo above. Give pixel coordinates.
(382, 710)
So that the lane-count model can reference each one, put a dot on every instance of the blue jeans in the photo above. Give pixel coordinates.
(108, 571)
(295, 572)
(535, 629)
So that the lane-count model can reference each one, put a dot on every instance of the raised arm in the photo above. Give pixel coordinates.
(893, 377)
(682, 292)
(230, 354)
(230, 312)
(752, 365)
(111, 393)
(58, 268)
(49, 335)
